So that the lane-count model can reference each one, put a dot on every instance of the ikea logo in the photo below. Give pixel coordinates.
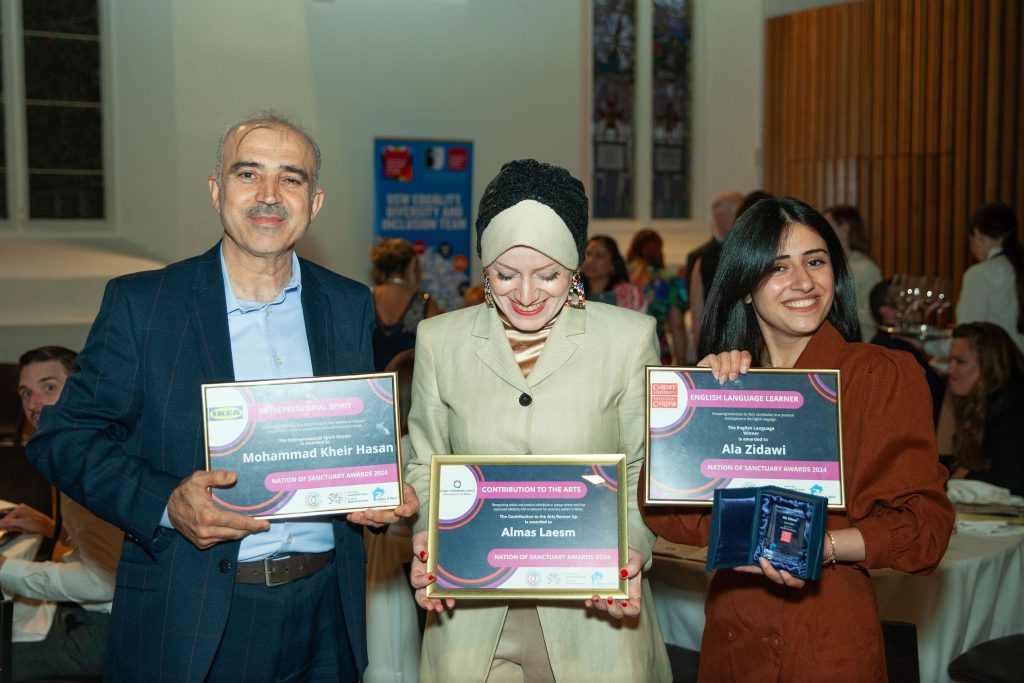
(225, 413)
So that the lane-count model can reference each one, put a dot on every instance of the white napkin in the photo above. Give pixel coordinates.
(980, 493)
(988, 528)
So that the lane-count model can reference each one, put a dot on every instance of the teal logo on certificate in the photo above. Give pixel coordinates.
(767, 428)
(304, 447)
(528, 526)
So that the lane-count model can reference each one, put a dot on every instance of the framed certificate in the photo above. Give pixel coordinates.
(305, 447)
(538, 527)
(767, 428)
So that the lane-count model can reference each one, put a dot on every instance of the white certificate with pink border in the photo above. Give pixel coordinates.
(305, 447)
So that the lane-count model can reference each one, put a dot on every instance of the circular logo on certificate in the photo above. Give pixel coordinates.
(458, 488)
(313, 500)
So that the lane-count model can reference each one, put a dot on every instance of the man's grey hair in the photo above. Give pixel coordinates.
(270, 118)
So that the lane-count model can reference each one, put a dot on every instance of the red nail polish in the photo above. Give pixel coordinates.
(423, 555)
(430, 577)
(611, 601)
(623, 573)
(625, 604)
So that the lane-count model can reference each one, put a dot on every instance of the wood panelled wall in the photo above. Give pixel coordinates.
(911, 110)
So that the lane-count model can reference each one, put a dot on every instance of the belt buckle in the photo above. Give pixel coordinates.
(268, 571)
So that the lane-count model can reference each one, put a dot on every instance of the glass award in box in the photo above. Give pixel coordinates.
(785, 527)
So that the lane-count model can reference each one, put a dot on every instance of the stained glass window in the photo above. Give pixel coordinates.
(670, 109)
(614, 42)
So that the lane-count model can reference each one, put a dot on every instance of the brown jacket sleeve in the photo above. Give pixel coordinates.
(676, 524)
(895, 483)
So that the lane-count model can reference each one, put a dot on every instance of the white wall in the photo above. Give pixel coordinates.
(503, 73)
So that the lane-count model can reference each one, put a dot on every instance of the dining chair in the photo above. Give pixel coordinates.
(901, 661)
(1000, 660)
(6, 617)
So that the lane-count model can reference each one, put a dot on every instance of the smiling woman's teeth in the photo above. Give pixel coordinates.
(803, 303)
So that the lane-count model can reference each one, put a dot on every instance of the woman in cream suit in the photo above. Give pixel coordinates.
(535, 370)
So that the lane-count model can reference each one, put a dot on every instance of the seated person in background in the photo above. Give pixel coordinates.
(605, 279)
(665, 293)
(82, 582)
(397, 299)
(883, 310)
(986, 378)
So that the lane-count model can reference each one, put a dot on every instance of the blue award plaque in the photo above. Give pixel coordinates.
(305, 447)
(538, 527)
(784, 527)
(766, 428)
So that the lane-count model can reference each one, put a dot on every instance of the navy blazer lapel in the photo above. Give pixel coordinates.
(316, 311)
(208, 315)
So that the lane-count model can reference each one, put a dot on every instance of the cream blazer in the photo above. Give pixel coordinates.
(587, 396)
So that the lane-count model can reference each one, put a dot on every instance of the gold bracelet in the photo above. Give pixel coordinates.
(831, 559)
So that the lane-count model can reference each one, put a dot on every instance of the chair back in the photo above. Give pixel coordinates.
(901, 660)
(12, 417)
(20, 483)
(6, 617)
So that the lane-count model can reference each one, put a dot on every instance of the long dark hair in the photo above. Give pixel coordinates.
(748, 257)
(1000, 363)
(619, 272)
(999, 222)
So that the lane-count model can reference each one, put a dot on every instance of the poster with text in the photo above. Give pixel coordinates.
(423, 194)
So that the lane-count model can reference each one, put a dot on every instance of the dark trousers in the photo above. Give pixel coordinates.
(292, 632)
(74, 647)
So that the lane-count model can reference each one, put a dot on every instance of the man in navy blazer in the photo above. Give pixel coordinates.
(194, 599)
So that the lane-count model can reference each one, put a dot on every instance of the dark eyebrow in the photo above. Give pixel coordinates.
(238, 165)
(245, 164)
(296, 170)
(806, 253)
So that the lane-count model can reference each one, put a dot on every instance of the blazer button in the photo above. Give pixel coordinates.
(224, 566)
(525, 400)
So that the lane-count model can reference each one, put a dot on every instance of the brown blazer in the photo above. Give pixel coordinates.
(829, 630)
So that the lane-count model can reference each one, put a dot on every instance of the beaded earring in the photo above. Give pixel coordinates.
(577, 297)
(488, 296)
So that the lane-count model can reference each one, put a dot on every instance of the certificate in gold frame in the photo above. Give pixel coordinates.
(535, 527)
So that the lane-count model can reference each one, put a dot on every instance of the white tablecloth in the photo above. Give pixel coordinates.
(976, 594)
(32, 618)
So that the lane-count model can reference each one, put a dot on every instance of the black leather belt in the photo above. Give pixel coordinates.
(280, 569)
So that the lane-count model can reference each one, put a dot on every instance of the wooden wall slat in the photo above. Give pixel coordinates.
(912, 110)
(1011, 115)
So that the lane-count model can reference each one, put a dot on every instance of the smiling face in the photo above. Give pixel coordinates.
(39, 385)
(528, 287)
(265, 198)
(964, 369)
(795, 298)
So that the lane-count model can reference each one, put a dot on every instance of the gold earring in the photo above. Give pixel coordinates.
(488, 295)
(577, 297)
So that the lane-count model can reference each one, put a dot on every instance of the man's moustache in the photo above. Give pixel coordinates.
(264, 210)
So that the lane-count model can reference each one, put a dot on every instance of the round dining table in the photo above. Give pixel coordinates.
(975, 594)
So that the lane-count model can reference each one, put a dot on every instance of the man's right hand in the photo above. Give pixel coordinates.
(192, 512)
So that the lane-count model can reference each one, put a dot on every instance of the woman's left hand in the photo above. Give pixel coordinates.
(780, 576)
(616, 607)
(383, 517)
(728, 365)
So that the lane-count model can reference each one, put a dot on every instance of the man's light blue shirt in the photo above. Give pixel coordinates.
(268, 341)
